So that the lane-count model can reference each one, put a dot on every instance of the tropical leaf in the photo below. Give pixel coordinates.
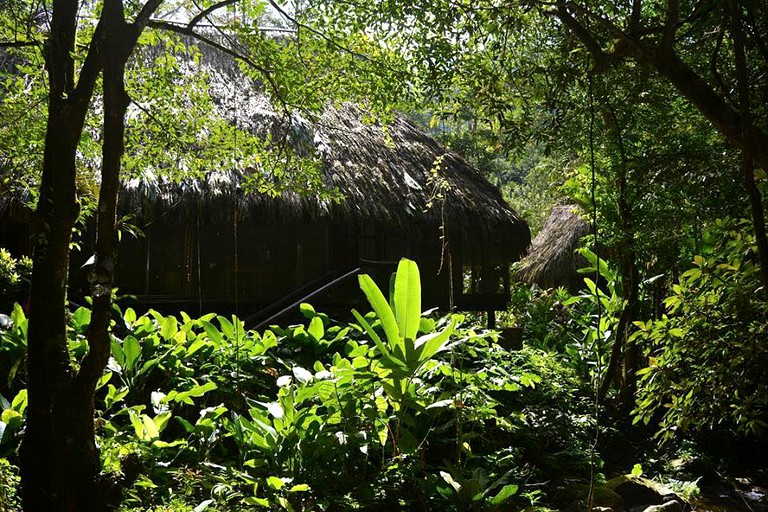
(408, 298)
(382, 309)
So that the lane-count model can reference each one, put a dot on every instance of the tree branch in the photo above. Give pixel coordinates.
(91, 68)
(18, 44)
(184, 30)
(716, 72)
(670, 24)
(142, 19)
(627, 44)
(634, 20)
(59, 47)
(724, 117)
(205, 12)
(312, 30)
(586, 38)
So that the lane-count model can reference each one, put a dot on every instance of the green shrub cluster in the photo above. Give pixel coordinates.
(395, 411)
(706, 355)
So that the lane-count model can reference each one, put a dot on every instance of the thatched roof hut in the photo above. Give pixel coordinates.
(264, 247)
(552, 260)
(403, 179)
(210, 243)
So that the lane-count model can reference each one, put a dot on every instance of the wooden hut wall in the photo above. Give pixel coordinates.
(197, 263)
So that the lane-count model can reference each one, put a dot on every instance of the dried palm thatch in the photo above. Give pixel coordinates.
(552, 259)
(409, 182)
(395, 175)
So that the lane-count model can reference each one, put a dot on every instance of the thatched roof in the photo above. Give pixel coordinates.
(387, 182)
(385, 175)
(551, 260)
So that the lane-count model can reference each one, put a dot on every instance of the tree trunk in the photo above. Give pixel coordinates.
(47, 357)
(747, 135)
(59, 459)
(631, 364)
(45, 464)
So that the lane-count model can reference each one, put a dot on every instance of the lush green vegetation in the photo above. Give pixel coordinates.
(399, 411)
(650, 115)
(393, 412)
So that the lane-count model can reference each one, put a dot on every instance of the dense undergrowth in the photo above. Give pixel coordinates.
(393, 412)
(400, 411)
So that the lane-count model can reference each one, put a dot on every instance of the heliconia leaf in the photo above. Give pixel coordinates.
(118, 354)
(132, 351)
(138, 427)
(382, 309)
(408, 298)
(430, 344)
(504, 494)
(226, 327)
(129, 317)
(150, 428)
(186, 396)
(81, 318)
(391, 289)
(275, 482)
(161, 420)
(20, 401)
(372, 333)
(212, 332)
(307, 310)
(389, 358)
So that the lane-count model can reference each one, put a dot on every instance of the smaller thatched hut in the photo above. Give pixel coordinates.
(552, 260)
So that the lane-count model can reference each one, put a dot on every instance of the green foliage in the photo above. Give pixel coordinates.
(580, 327)
(12, 420)
(404, 354)
(321, 413)
(13, 350)
(706, 352)
(9, 486)
(14, 277)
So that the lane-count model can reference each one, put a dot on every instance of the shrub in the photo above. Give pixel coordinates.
(14, 279)
(707, 354)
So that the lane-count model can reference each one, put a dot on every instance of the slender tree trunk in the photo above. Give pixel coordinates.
(625, 356)
(747, 135)
(631, 364)
(44, 461)
(59, 459)
(47, 357)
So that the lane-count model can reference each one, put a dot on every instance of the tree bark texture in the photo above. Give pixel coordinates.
(59, 459)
